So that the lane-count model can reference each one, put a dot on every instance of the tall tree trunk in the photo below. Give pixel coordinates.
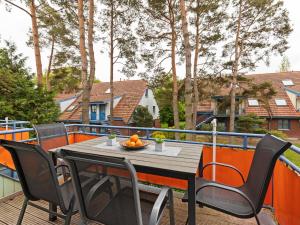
(111, 80)
(48, 86)
(36, 44)
(235, 71)
(91, 43)
(188, 69)
(196, 56)
(174, 72)
(84, 65)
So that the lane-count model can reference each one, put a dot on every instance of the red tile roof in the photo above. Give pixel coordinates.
(130, 91)
(276, 80)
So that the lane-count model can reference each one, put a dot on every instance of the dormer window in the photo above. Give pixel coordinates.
(288, 82)
(253, 102)
(280, 102)
(146, 93)
(71, 108)
(107, 91)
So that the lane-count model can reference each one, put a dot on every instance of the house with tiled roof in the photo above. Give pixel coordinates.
(128, 94)
(284, 113)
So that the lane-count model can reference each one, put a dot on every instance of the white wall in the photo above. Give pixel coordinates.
(65, 104)
(107, 109)
(149, 102)
(292, 97)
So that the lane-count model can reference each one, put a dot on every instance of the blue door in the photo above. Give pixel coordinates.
(93, 112)
(102, 112)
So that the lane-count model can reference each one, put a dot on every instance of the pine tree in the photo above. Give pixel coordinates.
(256, 29)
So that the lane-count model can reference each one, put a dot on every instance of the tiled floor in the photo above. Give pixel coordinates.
(9, 212)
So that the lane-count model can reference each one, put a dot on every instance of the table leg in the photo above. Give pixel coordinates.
(53, 207)
(192, 201)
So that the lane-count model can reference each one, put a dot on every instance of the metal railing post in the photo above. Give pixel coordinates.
(14, 128)
(147, 134)
(245, 142)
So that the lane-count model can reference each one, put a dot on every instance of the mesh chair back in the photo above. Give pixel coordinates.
(266, 154)
(51, 135)
(35, 170)
(112, 191)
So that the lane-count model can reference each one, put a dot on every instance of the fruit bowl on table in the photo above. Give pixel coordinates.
(125, 145)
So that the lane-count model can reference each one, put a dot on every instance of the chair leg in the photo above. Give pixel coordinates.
(187, 221)
(171, 208)
(21, 216)
(68, 218)
(256, 218)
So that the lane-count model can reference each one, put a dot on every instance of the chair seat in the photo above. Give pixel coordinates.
(121, 209)
(222, 200)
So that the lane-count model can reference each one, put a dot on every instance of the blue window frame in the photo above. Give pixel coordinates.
(93, 112)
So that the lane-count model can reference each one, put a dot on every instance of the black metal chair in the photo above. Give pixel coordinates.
(39, 180)
(51, 135)
(247, 200)
(117, 198)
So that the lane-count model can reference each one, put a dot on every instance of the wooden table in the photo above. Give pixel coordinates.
(184, 166)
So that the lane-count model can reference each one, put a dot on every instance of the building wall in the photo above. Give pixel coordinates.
(149, 102)
(107, 108)
(294, 130)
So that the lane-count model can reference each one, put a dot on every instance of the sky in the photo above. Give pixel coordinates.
(14, 27)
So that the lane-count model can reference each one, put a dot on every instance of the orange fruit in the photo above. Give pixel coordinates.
(138, 143)
(127, 143)
(132, 144)
(134, 138)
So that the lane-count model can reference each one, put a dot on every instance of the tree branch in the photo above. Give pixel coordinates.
(19, 7)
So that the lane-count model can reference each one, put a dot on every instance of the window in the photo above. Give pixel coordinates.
(288, 82)
(71, 108)
(284, 124)
(94, 108)
(253, 102)
(107, 91)
(280, 102)
(153, 109)
(146, 93)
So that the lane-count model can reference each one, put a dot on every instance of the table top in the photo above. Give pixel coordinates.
(186, 162)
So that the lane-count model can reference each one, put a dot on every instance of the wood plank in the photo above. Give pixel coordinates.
(187, 160)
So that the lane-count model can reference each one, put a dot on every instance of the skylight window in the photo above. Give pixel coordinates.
(288, 82)
(107, 91)
(280, 102)
(253, 102)
(71, 108)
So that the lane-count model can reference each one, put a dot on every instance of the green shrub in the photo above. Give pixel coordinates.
(278, 133)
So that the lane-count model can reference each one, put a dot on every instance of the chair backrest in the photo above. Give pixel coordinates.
(36, 172)
(266, 154)
(51, 135)
(113, 189)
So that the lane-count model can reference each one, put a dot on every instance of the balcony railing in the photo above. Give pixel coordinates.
(87, 129)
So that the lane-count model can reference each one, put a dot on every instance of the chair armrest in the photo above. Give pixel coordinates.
(59, 166)
(96, 187)
(228, 188)
(224, 165)
(165, 192)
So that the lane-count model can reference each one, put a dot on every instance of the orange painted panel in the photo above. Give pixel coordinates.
(286, 195)
(240, 159)
(5, 158)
